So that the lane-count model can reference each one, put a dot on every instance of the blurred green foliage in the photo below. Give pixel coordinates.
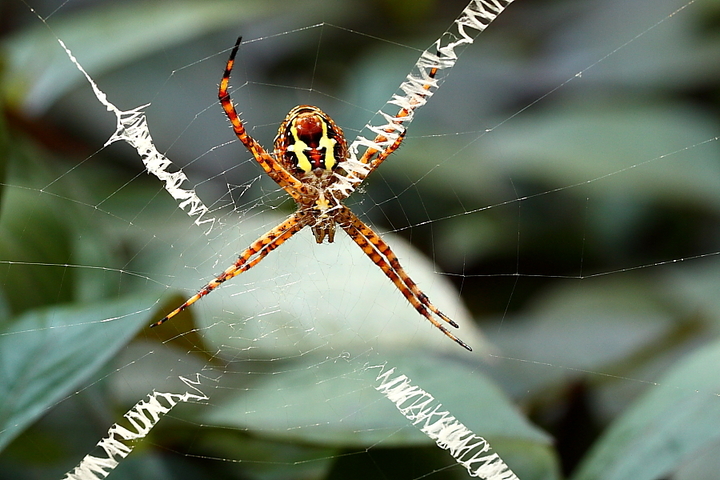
(566, 176)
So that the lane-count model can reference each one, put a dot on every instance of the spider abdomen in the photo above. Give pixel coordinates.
(308, 141)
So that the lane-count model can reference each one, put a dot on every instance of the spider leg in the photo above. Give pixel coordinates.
(381, 254)
(248, 259)
(276, 171)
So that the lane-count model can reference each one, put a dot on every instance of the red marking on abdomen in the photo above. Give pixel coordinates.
(317, 158)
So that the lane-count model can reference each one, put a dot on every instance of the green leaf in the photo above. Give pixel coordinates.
(332, 401)
(264, 459)
(304, 296)
(109, 36)
(45, 354)
(529, 460)
(582, 327)
(35, 246)
(622, 148)
(677, 418)
(4, 148)
(617, 149)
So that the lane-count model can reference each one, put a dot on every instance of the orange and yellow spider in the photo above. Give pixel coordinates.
(310, 158)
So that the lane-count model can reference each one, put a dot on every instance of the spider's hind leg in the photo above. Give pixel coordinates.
(381, 254)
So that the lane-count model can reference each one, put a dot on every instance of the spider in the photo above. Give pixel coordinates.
(310, 152)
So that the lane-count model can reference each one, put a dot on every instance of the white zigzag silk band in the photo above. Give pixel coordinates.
(142, 418)
(421, 408)
(412, 93)
(132, 128)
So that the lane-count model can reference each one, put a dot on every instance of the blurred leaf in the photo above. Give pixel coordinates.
(678, 417)
(4, 146)
(111, 35)
(529, 460)
(263, 459)
(695, 287)
(325, 401)
(646, 152)
(667, 49)
(705, 465)
(45, 354)
(56, 249)
(622, 149)
(581, 326)
(34, 239)
(142, 368)
(305, 296)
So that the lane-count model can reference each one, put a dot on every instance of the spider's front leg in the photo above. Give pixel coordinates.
(373, 157)
(381, 254)
(272, 167)
(258, 250)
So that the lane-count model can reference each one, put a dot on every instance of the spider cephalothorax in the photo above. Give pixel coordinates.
(308, 164)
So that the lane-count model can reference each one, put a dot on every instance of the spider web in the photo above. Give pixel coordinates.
(286, 364)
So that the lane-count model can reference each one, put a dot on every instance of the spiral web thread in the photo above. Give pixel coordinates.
(468, 449)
